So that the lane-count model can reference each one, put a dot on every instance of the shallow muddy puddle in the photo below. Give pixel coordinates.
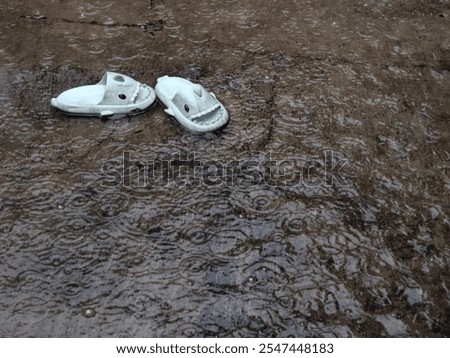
(321, 210)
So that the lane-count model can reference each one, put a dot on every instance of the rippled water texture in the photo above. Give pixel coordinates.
(321, 210)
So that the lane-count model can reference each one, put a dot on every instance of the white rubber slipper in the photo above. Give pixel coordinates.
(191, 104)
(115, 94)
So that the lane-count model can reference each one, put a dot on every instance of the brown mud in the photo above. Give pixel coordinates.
(358, 249)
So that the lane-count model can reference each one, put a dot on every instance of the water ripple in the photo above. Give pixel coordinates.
(135, 226)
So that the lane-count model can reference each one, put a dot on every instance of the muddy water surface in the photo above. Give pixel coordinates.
(322, 209)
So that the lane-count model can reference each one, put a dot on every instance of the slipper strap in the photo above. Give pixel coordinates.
(119, 89)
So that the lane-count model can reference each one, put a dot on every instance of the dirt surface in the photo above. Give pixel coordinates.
(322, 209)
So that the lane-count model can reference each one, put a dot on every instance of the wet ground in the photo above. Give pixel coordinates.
(322, 209)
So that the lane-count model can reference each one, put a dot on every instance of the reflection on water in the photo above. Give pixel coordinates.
(252, 231)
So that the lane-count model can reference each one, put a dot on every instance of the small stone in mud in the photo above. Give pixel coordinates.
(433, 212)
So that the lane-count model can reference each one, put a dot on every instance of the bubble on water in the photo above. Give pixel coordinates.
(89, 312)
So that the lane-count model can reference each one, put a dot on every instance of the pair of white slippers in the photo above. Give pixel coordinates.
(118, 95)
